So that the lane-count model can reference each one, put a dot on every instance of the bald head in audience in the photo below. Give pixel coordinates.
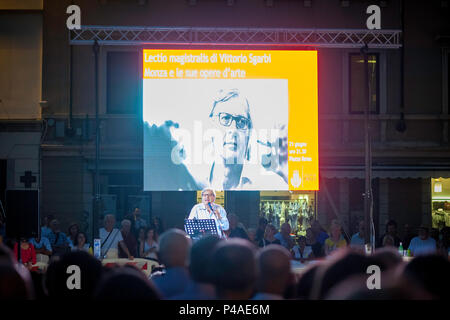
(274, 270)
(174, 248)
(234, 269)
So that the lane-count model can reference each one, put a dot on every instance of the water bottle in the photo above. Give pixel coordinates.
(97, 248)
(400, 249)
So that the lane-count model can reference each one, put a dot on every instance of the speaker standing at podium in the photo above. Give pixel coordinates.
(210, 210)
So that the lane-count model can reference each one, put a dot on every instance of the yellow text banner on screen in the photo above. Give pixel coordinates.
(299, 67)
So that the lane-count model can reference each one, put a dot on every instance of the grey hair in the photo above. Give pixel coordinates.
(108, 216)
(209, 189)
(225, 95)
(126, 222)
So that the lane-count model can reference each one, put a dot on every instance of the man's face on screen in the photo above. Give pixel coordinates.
(232, 119)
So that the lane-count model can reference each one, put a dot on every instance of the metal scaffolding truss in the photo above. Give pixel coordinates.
(327, 38)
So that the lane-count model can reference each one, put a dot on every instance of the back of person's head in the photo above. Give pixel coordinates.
(344, 264)
(12, 285)
(234, 269)
(387, 258)
(174, 248)
(15, 279)
(274, 269)
(201, 259)
(58, 273)
(431, 272)
(306, 281)
(125, 283)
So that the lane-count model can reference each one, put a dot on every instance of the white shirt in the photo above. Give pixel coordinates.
(199, 211)
(306, 252)
(112, 242)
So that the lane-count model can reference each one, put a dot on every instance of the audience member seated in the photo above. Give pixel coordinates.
(336, 240)
(422, 244)
(126, 284)
(201, 286)
(136, 221)
(269, 236)
(274, 273)
(72, 233)
(159, 226)
(41, 245)
(81, 244)
(319, 232)
(302, 252)
(388, 241)
(58, 240)
(57, 277)
(27, 253)
(111, 239)
(443, 245)
(262, 224)
(311, 241)
(45, 229)
(358, 239)
(391, 229)
(251, 232)
(150, 247)
(174, 248)
(409, 234)
(431, 272)
(235, 231)
(129, 240)
(285, 236)
(141, 235)
(234, 269)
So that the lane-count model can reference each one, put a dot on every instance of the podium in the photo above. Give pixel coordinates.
(198, 228)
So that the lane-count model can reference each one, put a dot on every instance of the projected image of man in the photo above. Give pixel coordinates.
(230, 114)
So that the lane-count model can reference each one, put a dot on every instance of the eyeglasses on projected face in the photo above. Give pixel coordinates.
(242, 123)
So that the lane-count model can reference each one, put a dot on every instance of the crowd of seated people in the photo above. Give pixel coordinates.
(249, 264)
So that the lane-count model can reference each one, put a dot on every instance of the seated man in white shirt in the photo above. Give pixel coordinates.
(209, 210)
(111, 239)
(422, 244)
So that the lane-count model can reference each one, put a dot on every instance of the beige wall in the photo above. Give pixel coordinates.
(20, 65)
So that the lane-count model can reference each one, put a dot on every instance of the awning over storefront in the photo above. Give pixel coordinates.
(385, 172)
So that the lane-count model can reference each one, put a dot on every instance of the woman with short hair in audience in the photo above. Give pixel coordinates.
(269, 236)
(336, 240)
(80, 243)
(388, 241)
(150, 247)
